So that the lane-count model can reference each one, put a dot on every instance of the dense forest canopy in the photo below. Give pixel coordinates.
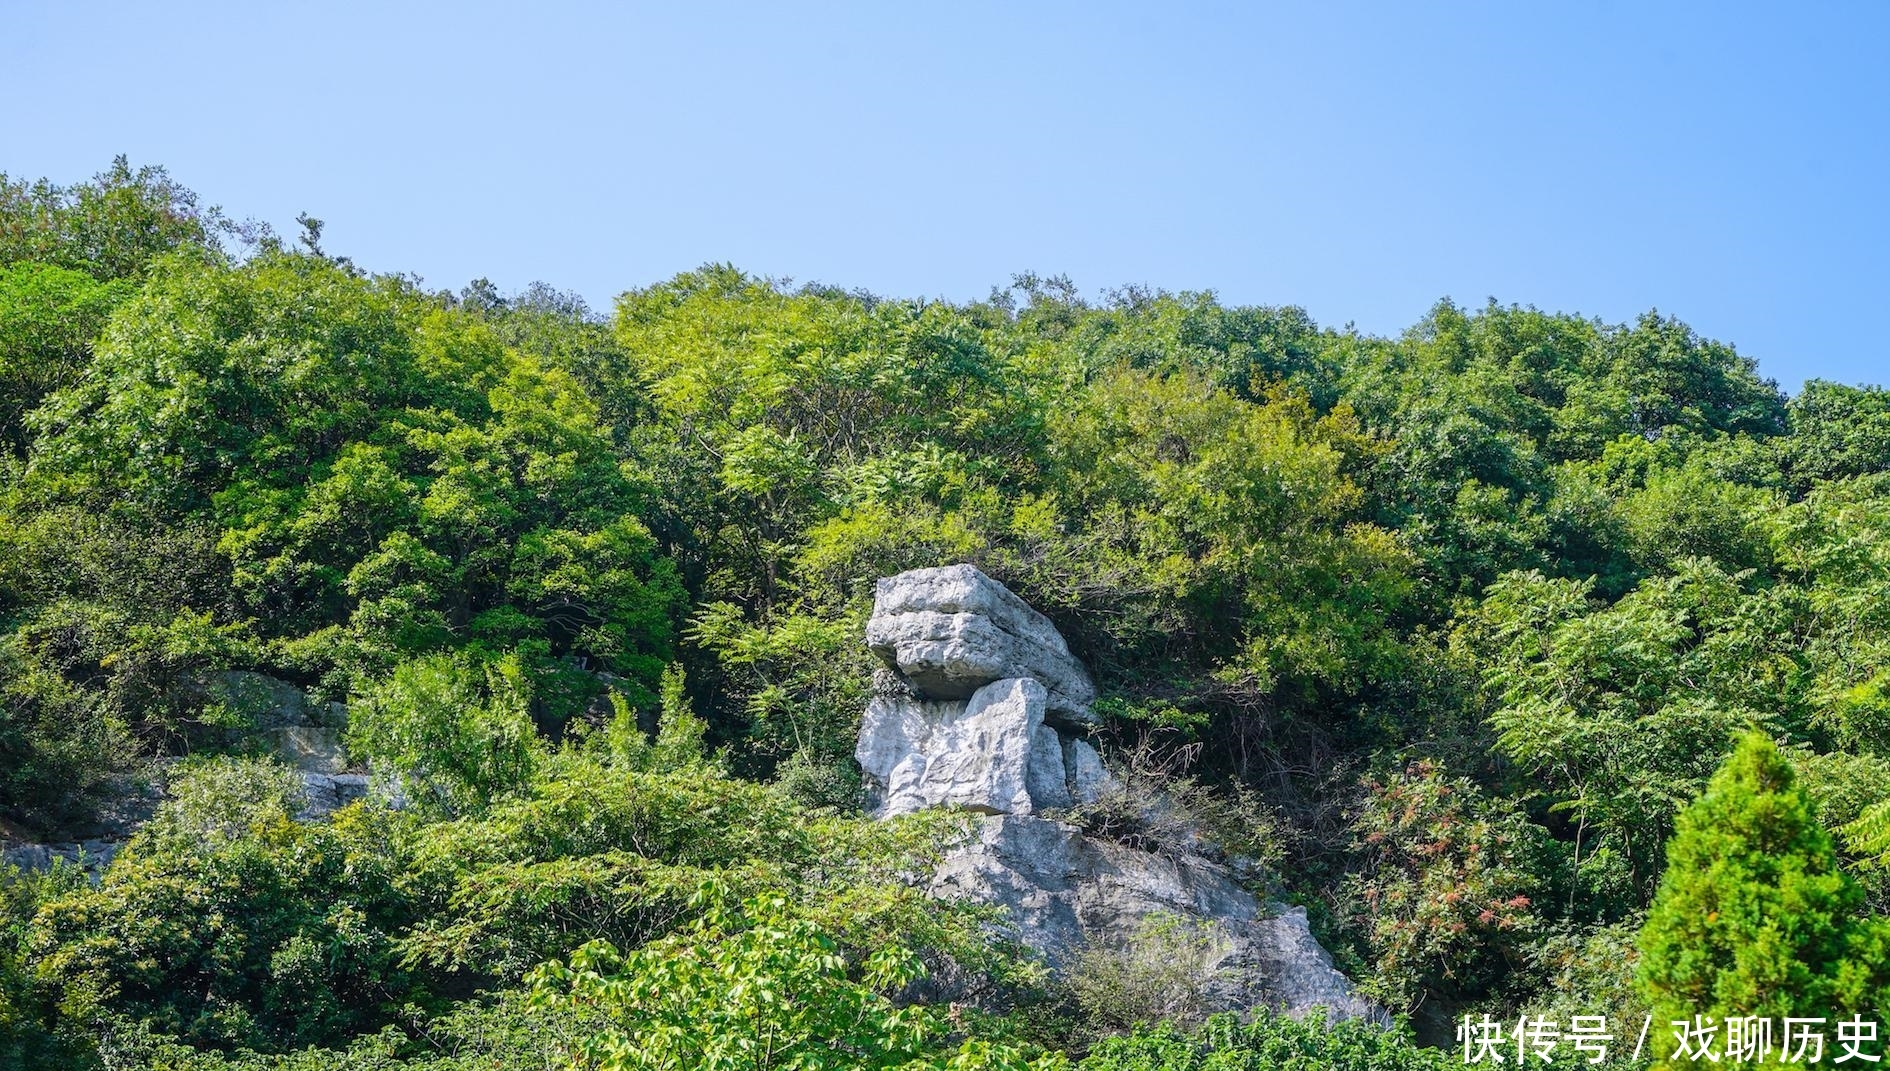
(1461, 621)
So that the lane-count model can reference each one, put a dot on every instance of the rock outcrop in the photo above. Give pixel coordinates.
(981, 706)
(129, 803)
(92, 855)
(303, 734)
(278, 716)
(1064, 891)
(953, 630)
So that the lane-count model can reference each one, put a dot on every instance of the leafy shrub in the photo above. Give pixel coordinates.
(219, 799)
(1446, 890)
(1268, 1043)
(681, 741)
(1161, 975)
(758, 987)
(458, 732)
(33, 1036)
(502, 1031)
(277, 936)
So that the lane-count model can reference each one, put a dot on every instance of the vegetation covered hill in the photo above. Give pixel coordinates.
(1450, 627)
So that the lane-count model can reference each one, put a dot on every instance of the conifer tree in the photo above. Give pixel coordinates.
(1754, 917)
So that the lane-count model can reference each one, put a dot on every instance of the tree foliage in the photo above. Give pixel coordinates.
(753, 986)
(1754, 916)
(1268, 1042)
(1452, 629)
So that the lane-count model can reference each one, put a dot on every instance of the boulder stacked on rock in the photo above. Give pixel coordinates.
(953, 630)
(981, 706)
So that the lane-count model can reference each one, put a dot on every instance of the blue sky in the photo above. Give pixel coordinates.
(1725, 163)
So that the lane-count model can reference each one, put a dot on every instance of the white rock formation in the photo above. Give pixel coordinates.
(991, 753)
(1064, 891)
(952, 630)
(981, 707)
(980, 703)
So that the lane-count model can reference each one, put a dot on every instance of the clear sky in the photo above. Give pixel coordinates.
(1726, 163)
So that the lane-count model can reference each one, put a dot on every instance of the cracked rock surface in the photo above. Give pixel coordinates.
(991, 752)
(981, 706)
(952, 630)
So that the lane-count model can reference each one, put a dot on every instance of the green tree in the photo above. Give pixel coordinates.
(33, 1036)
(756, 988)
(112, 227)
(1754, 916)
(456, 731)
(49, 317)
(1837, 431)
(1617, 714)
(1191, 512)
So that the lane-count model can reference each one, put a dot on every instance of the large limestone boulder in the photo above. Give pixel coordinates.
(952, 630)
(981, 707)
(1064, 892)
(990, 753)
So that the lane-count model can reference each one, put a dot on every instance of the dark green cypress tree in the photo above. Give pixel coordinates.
(1754, 917)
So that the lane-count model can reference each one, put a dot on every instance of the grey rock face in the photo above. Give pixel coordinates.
(1065, 892)
(324, 792)
(307, 748)
(979, 707)
(1046, 775)
(952, 630)
(329, 792)
(1084, 771)
(973, 754)
(990, 753)
(91, 855)
(303, 733)
(1298, 972)
(131, 802)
